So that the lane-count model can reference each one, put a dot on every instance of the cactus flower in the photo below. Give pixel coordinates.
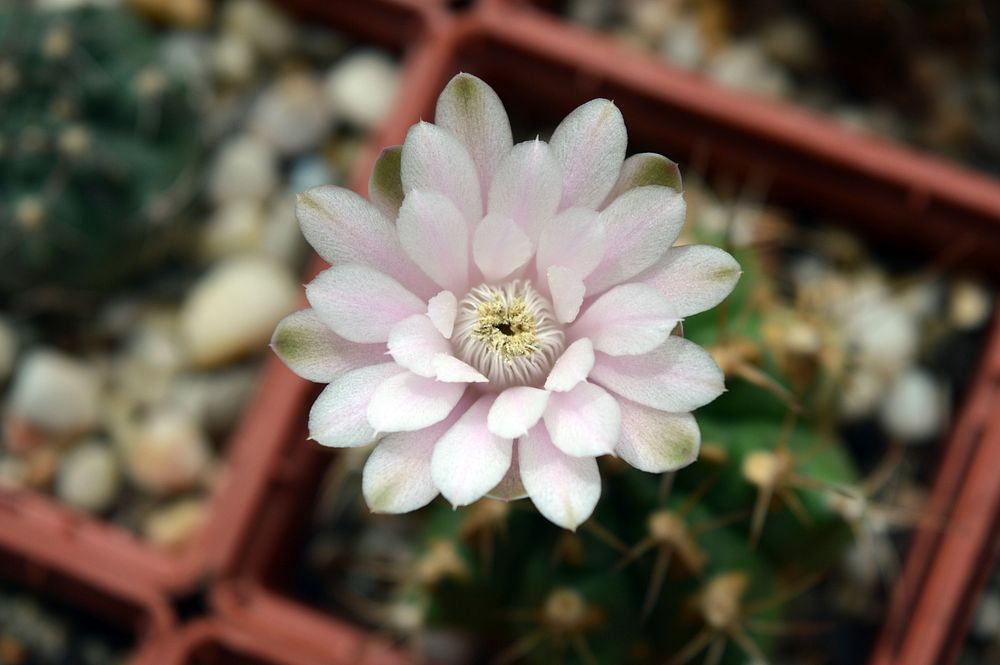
(497, 316)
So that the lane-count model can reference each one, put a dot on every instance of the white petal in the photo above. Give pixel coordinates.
(679, 376)
(407, 402)
(590, 146)
(345, 228)
(627, 320)
(337, 417)
(435, 236)
(641, 225)
(567, 292)
(645, 168)
(500, 247)
(564, 489)
(470, 109)
(442, 310)
(469, 460)
(414, 342)
(656, 441)
(527, 186)
(397, 476)
(516, 410)
(434, 160)
(359, 303)
(385, 188)
(585, 421)
(450, 369)
(572, 367)
(574, 238)
(314, 352)
(694, 277)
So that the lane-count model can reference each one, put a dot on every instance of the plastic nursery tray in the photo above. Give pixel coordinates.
(216, 642)
(97, 589)
(67, 537)
(543, 68)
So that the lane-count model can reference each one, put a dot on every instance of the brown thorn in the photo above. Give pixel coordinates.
(660, 567)
(519, 649)
(760, 508)
(605, 536)
(641, 548)
(693, 648)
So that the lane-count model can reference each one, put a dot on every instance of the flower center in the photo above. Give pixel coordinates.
(508, 333)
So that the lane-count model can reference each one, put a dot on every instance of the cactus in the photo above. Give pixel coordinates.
(97, 144)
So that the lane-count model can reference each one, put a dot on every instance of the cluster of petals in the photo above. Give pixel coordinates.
(586, 233)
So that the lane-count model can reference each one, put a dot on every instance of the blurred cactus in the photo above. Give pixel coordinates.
(97, 145)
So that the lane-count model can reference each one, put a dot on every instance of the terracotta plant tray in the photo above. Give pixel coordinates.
(68, 536)
(543, 68)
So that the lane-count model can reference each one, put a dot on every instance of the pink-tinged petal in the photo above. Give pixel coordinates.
(450, 369)
(628, 320)
(572, 367)
(510, 487)
(442, 310)
(694, 277)
(574, 239)
(642, 170)
(679, 376)
(361, 304)
(500, 247)
(470, 110)
(590, 146)
(516, 410)
(583, 422)
(527, 186)
(435, 236)
(564, 489)
(641, 225)
(414, 342)
(345, 228)
(337, 417)
(385, 187)
(468, 459)
(397, 476)
(567, 291)
(434, 160)
(407, 402)
(314, 352)
(656, 441)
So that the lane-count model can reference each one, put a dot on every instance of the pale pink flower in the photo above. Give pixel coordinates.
(509, 319)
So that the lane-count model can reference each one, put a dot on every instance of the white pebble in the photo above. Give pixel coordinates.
(173, 527)
(986, 625)
(683, 44)
(244, 168)
(914, 408)
(166, 453)
(236, 228)
(861, 394)
(362, 87)
(214, 399)
(744, 67)
(884, 332)
(232, 311)
(233, 59)
(88, 477)
(260, 24)
(970, 305)
(56, 393)
(291, 114)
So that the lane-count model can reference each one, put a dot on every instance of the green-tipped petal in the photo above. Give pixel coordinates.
(646, 168)
(385, 187)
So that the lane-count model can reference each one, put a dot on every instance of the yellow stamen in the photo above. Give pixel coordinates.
(509, 330)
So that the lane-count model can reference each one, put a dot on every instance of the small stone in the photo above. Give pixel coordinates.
(362, 87)
(283, 239)
(790, 41)
(167, 453)
(235, 228)
(261, 24)
(215, 400)
(969, 305)
(233, 59)
(744, 66)
(684, 44)
(291, 114)
(885, 334)
(232, 311)
(56, 393)
(8, 349)
(89, 477)
(914, 409)
(651, 18)
(861, 394)
(310, 171)
(986, 625)
(187, 56)
(245, 168)
(175, 526)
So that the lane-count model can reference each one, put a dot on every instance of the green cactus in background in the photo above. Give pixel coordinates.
(97, 147)
(695, 567)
